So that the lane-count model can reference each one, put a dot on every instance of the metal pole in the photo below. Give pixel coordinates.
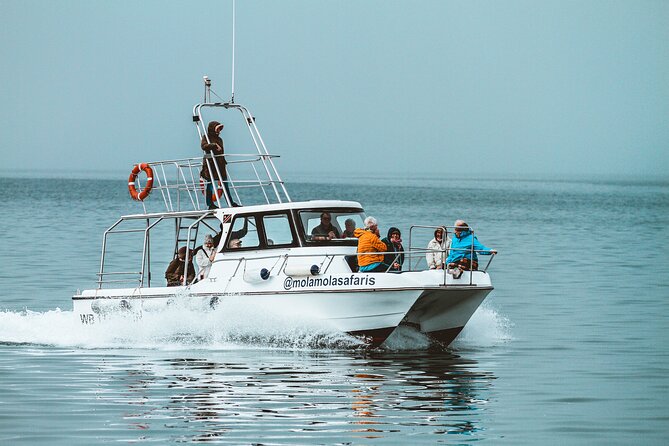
(232, 100)
(104, 248)
(471, 260)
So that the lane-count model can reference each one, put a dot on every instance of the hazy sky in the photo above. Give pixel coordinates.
(483, 88)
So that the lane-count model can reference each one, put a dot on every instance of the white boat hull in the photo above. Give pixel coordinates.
(372, 311)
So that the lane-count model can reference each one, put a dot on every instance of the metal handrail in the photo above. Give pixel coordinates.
(286, 257)
(187, 180)
(261, 148)
(471, 249)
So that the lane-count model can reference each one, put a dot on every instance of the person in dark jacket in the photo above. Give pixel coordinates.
(234, 234)
(394, 244)
(175, 271)
(325, 231)
(214, 163)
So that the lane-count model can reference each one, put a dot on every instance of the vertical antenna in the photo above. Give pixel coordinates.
(232, 100)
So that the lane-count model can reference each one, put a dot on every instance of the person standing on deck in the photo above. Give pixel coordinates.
(214, 163)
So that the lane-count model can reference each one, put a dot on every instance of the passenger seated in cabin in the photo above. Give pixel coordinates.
(325, 231)
(234, 234)
(349, 228)
(175, 271)
(205, 257)
(461, 257)
(235, 243)
(394, 245)
(369, 244)
(214, 166)
(438, 249)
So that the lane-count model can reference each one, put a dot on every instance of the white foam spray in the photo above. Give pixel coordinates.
(486, 328)
(230, 326)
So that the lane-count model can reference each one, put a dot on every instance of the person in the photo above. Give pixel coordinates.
(235, 243)
(461, 256)
(393, 242)
(440, 242)
(349, 228)
(213, 147)
(234, 234)
(325, 231)
(175, 270)
(205, 257)
(369, 244)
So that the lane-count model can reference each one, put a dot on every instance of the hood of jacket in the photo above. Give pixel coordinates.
(359, 232)
(211, 129)
(464, 234)
(393, 229)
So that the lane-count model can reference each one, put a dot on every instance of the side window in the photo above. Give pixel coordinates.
(277, 229)
(330, 225)
(243, 233)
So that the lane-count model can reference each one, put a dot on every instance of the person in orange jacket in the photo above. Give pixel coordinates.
(369, 243)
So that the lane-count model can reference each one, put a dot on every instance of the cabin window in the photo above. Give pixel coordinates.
(243, 234)
(330, 225)
(277, 230)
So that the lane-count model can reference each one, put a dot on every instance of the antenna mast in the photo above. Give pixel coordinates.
(232, 100)
(207, 88)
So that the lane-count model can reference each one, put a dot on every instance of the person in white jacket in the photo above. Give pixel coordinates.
(438, 249)
(204, 257)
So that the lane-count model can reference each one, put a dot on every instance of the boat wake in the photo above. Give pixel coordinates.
(228, 327)
(486, 328)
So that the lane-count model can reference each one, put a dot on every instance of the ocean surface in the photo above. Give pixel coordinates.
(572, 346)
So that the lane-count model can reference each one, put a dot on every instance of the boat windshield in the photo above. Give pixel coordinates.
(335, 225)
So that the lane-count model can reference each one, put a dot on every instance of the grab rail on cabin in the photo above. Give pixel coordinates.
(413, 257)
(328, 261)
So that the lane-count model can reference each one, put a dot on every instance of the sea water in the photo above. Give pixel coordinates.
(570, 347)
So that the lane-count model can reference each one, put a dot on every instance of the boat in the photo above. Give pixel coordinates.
(280, 267)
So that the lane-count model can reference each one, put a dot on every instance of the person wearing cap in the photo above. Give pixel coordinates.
(177, 267)
(205, 257)
(369, 244)
(393, 242)
(214, 163)
(461, 257)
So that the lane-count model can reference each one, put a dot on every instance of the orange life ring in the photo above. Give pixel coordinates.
(217, 194)
(140, 196)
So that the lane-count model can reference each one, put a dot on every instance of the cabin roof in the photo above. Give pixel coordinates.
(311, 204)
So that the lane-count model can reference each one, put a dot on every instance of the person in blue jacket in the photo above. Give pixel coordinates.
(460, 257)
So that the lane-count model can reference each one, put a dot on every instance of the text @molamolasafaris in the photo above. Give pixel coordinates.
(310, 282)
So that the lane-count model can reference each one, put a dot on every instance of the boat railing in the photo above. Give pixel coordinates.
(320, 264)
(181, 187)
(446, 251)
(186, 227)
